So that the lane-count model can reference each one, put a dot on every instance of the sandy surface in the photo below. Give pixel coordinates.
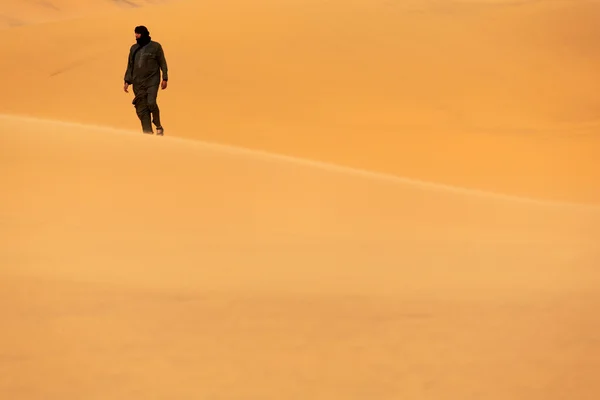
(18, 13)
(145, 267)
(423, 221)
(497, 95)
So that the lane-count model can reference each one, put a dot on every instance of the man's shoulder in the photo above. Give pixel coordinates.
(155, 43)
(133, 46)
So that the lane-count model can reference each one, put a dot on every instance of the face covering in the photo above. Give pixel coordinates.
(145, 35)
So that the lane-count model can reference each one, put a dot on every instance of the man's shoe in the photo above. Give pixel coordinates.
(160, 131)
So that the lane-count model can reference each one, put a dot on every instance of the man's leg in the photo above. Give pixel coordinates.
(153, 107)
(143, 113)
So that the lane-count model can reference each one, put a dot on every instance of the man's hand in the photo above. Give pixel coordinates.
(125, 87)
(163, 85)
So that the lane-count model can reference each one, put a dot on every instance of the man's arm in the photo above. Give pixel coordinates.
(128, 78)
(162, 61)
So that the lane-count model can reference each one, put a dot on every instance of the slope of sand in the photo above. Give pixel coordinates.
(137, 267)
(347, 261)
(17, 13)
(495, 95)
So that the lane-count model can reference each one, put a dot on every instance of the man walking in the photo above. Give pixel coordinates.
(145, 63)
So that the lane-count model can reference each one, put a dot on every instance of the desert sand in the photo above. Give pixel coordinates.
(353, 200)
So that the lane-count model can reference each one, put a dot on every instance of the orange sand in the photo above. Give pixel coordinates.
(422, 222)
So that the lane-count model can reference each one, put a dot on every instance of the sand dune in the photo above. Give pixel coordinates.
(26, 12)
(367, 199)
(145, 267)
(500, 96)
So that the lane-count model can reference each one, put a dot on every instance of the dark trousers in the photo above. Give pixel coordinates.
(146, 108)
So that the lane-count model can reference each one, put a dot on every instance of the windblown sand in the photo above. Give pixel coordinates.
(354, 200)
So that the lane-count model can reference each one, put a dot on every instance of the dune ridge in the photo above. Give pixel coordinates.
(490, 97)
(318, 164)
(137, 266)
(367, 199)
(116, 164)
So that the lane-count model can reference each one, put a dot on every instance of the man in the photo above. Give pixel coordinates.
(145, 63)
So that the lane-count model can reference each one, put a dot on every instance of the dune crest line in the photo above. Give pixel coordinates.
(323, 165)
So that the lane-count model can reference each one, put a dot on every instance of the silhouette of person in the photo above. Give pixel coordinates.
(145, 63)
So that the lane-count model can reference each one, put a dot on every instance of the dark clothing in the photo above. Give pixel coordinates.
(146, 107)
(145, 63)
